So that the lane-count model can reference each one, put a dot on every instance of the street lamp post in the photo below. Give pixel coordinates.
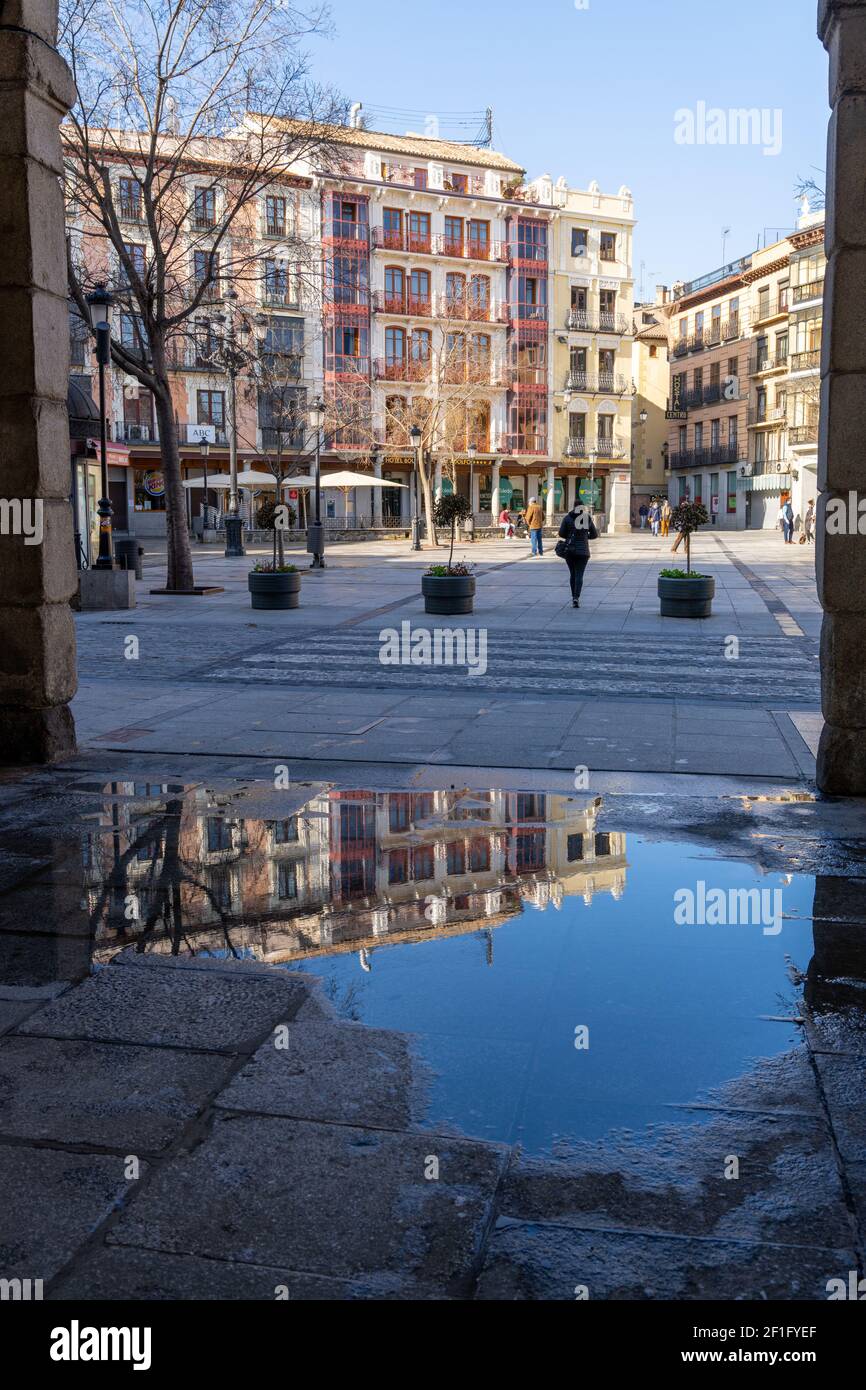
(231, 358)
(204, 450)
(316, 531)
(415, 436)
(472, 451)
(101, 306)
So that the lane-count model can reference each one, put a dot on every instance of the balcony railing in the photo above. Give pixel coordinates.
(468, 249)
(338, 229)
(605, 384)
(803, 434)
(348, 367)
(131, 210)
(767, 415)
(587, 321)
(403, 239)
(132, 432)
(402, 369)
(204, 221)
(680, 347)
(767, 361)
(275, 439)
(526, 442)
(279, 297)
(720, 457)
(579, 446)
(806, 361)
(772, 308)
(801, 294)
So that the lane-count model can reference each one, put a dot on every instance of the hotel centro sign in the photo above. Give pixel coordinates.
(675, 409)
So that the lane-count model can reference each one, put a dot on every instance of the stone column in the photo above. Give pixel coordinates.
(377, 491)
(437, 480)
(841, 533)
(619, 503)
(37, 638)
(551, 496)
(495, 505)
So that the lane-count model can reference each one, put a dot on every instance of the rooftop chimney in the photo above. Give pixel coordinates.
(662, 294)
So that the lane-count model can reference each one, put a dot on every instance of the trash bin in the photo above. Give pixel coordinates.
(128, 553)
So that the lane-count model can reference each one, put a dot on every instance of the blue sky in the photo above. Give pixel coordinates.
(593, 92)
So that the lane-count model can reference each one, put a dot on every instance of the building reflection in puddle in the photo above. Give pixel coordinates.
(177, 870)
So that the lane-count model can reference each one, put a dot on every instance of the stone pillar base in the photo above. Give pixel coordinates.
(106, 589)
(842, 761)
(35, 735)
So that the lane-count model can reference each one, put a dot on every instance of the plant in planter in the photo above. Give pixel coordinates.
(449, 588)
(272, 585)
(683, 593)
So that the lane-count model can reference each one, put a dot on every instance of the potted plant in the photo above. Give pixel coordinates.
(449, 588)
(273, 585)
(683, 593)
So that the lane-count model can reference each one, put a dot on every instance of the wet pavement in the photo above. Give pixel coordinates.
(409, 1039)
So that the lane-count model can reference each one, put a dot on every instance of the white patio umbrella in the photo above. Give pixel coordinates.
(217, 480)
(252, 477)
(346, 480)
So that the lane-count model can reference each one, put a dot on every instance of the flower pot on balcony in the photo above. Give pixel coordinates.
(687, 598)
(274, 590)
(448, 593)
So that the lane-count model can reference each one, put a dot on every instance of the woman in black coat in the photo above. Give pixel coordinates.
(576, 531)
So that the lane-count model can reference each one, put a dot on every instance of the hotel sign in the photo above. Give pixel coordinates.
(675, 406)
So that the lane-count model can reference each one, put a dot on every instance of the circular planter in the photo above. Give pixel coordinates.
(686, 598)
(448, 593)
(275, 590)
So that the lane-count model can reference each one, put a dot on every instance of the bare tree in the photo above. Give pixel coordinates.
(167, 167)
(452, 410)
(279, 401)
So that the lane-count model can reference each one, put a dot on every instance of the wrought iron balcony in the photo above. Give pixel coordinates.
(402, 369)
(526, 442)
(588, 321)
(133, 432)
(773, 307)
(605, 384)
(767, 361)
(802, 294)
(806, 361)
(803, 434)
(275, 438)
(767, 415)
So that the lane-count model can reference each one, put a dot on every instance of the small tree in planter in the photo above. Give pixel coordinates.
(449, 588)
(686, 518)
(684, 594)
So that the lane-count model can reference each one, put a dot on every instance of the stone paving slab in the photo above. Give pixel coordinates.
(844, 1083)
(116, 1273)
(204, 1011)
(346, 1073)
(329, 1199)
(673, 1183)
(109, 1095)
(52, 1203)
(545, 1261)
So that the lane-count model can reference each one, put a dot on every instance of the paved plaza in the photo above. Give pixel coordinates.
(611, 686)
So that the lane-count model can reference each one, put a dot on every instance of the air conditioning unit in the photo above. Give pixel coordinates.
(780, 467)
(746, 470)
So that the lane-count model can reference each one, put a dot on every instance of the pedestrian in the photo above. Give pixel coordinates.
(506, 524)
(786, 521)
(643, 513)
(666, 517)
(809, 522)
(576, 532)
(655, 516)
(534, 518)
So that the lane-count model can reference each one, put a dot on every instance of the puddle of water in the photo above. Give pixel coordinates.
(562, 979)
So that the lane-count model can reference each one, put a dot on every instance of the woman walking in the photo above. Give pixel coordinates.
(666, 517)
(576, 532)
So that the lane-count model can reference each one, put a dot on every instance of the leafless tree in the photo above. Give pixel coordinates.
(188, 113)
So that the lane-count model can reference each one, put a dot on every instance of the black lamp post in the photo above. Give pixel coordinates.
(204, 450)
(415, 436)
(315, 530)
(101, 305)
(231, 357)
